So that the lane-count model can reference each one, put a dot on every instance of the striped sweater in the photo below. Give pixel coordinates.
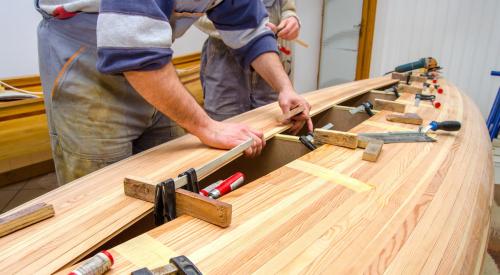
(138, 35)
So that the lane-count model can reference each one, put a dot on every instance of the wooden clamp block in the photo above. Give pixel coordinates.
(403, 88)
(186, 203)
(404, 76)
(388, 105)
(408, 118)
(284, 117)
(25, 217)
(338, 138)
(373, 150)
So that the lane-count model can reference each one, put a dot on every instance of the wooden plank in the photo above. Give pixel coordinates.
(338, 138)
(407, 118)
(388, 105)
(373, 150)
(25, 217)
(187, 203)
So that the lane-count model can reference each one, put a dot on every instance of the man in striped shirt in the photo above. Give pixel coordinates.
(111, 90)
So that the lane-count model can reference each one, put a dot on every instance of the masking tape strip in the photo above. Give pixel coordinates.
(329, 175)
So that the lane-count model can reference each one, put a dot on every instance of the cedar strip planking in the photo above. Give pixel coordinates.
(428, 212)
(94, 208)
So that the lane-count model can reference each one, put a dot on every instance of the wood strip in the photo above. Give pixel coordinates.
(287, 137)
(330, 175)
(25, 217)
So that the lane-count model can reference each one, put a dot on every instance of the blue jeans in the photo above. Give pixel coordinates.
(94, 119)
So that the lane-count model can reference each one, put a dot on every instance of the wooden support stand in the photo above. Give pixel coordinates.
(381, 104)
(188, 203)
(373, 150)
(338, 138)
(408, 118)
(25, 217)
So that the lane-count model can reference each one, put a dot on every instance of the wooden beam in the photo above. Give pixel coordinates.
(338, 138)
(25, 217)
(186, 203)
(404, 88)
(407, 118)
(373, 150)
(388, 105)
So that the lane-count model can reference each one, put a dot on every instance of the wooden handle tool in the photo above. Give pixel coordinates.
(25, 217)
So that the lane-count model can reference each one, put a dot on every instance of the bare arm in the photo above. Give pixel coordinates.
(163, 89)
(269, 67)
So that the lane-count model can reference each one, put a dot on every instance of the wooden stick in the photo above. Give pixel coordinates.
(285, 117)
(287, 137)
(25, 217)
(393, 106)
(188, 203)
(338, 138)
(301, 43)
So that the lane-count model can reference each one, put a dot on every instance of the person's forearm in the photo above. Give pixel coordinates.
(269, 67)
(163, 89)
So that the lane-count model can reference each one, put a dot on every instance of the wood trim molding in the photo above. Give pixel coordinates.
(366, 39)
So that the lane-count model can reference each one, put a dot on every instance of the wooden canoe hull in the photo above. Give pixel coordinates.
(421, 208)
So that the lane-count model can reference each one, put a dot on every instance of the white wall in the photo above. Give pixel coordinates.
(18, 48)
(463, 35)
(307, 60)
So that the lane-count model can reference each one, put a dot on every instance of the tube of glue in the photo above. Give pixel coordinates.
(97, 265)
(205, 191)
(227, 185)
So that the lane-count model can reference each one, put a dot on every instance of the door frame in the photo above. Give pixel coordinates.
(365, 42)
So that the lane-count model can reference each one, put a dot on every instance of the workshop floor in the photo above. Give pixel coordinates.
(21, 192)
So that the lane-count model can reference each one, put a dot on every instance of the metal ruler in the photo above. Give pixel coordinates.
(399, 137)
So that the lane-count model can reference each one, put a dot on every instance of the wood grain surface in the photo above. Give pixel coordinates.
(424, 210)
(420, 207)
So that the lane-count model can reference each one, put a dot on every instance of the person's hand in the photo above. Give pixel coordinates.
(229, 135)
(288, 28)
(289, 100)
